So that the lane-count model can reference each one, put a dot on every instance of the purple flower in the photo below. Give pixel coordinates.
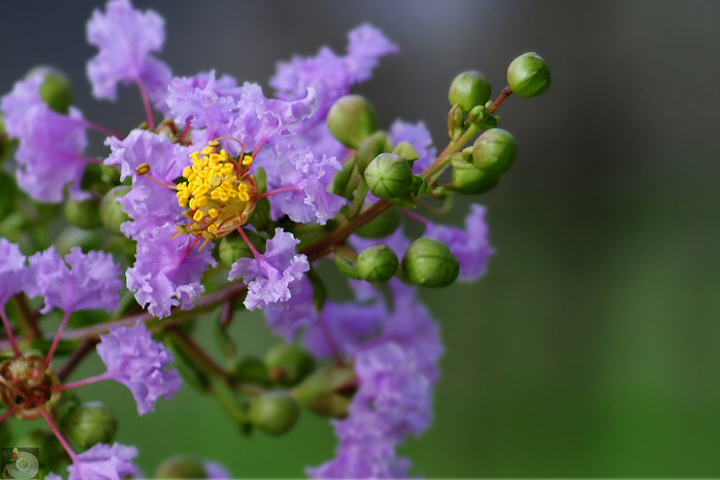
(15, 105)
(167, 271)
(92, 281)
(215, 471)
(102, 462)
(419, 137)
(305, 176)
(134, 359)
(366, 459)
(125, 38)
(275, 276)
(13, 271)
(471, 246)
(299, 311)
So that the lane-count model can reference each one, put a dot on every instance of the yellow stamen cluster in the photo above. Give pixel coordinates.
(218, 192)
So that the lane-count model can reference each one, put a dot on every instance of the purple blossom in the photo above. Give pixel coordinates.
(275, 276)
(471, 246)
(92, 281)
(305, 176)
(366, 459)
(134, 359)
(299, 311)
(125, 38)
(102, 462)
(13, 271)
(215, 471)
(15, 105)
(167, 271)
(419, 137)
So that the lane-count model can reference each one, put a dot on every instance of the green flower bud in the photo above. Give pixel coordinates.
(351, 120)
(47, 444)
(382, 225)
(56, 90)
(91, 423)
(494, 151)
(112, 214)
(377, 263)
(389, 176)
(84, 214)
(289, 364)
(328, 392)
(249, 370)
(406, 151)
(233, 247)
(181, 466)
(528, 75)
(274, 413)
(470, 180)
(469, 89)
(430, 263)
(373, 146)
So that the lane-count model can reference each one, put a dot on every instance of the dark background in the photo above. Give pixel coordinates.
(591, 346)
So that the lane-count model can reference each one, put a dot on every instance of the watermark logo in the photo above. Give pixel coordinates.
(20, 462)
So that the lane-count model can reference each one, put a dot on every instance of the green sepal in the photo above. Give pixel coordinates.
(260, 177)
(188, 368)
(344, 182)
(407, 151)
(229, 401)
(455, 121)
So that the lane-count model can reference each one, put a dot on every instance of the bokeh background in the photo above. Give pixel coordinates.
(590, 349)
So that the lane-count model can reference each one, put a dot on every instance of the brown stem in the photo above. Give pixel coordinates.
(507, 91)
(190, 345)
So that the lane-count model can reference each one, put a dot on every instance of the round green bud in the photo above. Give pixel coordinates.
(84, 214)
(407, 151)
(382, 225)
(91, 423)
(56, 90)
(373, 146)
(49, 447)
(65, 406)
(469, 89)
(274, 413)
(289, 364)
(470, 180)
(112, 214)
(328, 391)
(351, 120)
(181, 466)
(249, 370)
(389, 176)
(377, 263)
(528, 75)
(430, 263)
(494, 151)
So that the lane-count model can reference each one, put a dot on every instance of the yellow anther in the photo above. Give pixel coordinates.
(142, 169)
(247, 160)
(202, 201)
(213, 143)
(212, 228)
(214, 212)
(198, 215)
(193, 204)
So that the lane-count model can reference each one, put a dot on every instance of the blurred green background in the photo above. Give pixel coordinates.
(590, 349)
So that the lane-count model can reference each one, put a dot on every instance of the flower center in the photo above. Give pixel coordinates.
(26, 382)
(218, 192)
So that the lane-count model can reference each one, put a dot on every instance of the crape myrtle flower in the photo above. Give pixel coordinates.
(125, 38)
(13, 271)
(215, 471)
(51, 144)
(91, 280)
(134, 359)
(273, 277)
(102, 462)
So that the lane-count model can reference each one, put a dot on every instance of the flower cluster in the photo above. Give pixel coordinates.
(230, 203)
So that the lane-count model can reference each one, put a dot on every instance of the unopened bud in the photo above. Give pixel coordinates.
(328, 392)
(430, 263)
(181, 466)
(494, 151)
(351, 120)
(406, 151)
(289, 364)
(47, 444)
(112, 214)
(373, 146)
(389, 176)
(84, 214)
(470, 180)
(249, 370)
(377, 263)
(91, 423)
(274, 413)
(382, 225)
(56, 90)
(528, 75)
(469, 89)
